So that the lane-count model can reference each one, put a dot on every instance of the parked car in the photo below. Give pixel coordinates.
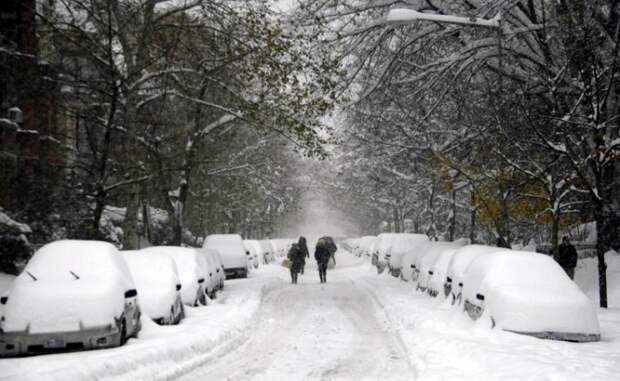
(191, 266)
(72, 295)
(529, 293)
(438, 271)
(253, 258)
(232, 251)
(158, 285)
(255, 246)
(424, 262)
(213, 256)
(458, 266)
(381, 252)
(366, 246)
(402, 244)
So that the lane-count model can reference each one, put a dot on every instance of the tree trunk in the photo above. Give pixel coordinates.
(130, 224)
(452, 230)
(555, 231)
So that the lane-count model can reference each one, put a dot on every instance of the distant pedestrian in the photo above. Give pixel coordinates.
(322, 255)
(296, 257)
(304, 248)
(567, 257)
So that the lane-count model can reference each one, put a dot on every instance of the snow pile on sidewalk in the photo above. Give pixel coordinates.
(160, 352)
(586, 276)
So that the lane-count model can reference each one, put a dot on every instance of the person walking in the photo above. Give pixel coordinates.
(322, 255)
(567, 257)
(303, 246)
(296, 257)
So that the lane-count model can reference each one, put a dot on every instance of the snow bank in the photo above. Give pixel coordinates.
(586, 276)
(529, 293)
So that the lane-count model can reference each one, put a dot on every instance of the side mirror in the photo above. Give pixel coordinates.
(201, 280)
(430, 272)
(179, 287)
(131, 293)
(480, 297)
(247, 253)
(4, 299)
(448, 280)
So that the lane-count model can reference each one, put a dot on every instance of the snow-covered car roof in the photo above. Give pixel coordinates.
(403, 244)
(384, 242)
(156, 279)
(67, 285)
(428, 257)
(463, 258)
(529, 293)
(440, 269)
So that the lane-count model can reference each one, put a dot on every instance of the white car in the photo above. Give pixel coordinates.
(402, 244)
(253, 257)
(258, 249)
(191, 266)
(233, 253)
(437, 282)
(366, 246)
(458, 266)
(424, 262)
(72, 295)
(529, 293)
(382, 248)
(213, 273)
(158, 284)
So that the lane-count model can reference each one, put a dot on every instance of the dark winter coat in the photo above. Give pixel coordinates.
(297, 258)
(304, 248)
(321, 253)
(567, 255)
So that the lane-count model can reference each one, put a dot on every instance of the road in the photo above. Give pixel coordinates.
(332, 331)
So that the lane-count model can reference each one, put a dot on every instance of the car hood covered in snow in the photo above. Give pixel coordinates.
(62, 306)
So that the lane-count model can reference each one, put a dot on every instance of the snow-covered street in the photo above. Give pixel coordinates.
(358, 326)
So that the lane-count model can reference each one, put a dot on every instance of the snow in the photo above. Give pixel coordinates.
(461, 261)
(440, 269)
(6, 280)
(356, 326)
(85, 281)
(586, 276)
(215, 276)
(190, 266)
(366, 244)
(405, 16)
(7, 224)
(529, 292)
(162, 352)
(230, 247)
(403, 244)
(430, 252)
(156, 279)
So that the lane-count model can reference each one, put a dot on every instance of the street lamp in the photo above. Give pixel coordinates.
(406, 16)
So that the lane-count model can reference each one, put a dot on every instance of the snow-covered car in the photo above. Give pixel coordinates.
(366, 245)
(253, 255)
(216, 269)
(426, 260)
(458, 266)
(529, 293)
(402, 244)
(191, 267)
(437, 281)
(158, 285)
(267, 249)
(72, 295)
(232, 252)
(255, 248)
(381, 252)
